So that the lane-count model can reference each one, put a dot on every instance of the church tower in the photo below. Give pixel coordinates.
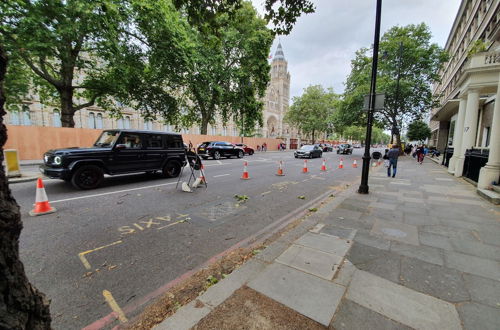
(277, 97)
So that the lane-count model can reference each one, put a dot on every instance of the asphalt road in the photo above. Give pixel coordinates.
(133, 230)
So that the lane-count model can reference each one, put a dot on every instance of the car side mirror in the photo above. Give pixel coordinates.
(120, 146)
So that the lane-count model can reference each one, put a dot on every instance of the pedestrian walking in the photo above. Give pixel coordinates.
(264, 147)
(393, 155)
(190, 145)
(258, 147)
(420, 154)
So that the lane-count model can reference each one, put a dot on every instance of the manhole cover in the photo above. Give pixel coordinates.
(394, 232)
(220, 210)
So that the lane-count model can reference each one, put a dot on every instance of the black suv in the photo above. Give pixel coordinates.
(218, 149)
(117, 152)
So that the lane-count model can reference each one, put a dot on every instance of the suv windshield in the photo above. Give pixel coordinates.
(107, 139)
(307, 148)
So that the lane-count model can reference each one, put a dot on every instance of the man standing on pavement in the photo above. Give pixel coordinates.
(393, 155)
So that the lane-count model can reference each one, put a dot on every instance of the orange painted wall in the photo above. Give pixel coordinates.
(32, 141)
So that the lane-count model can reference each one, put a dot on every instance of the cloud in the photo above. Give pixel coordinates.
(320, 48)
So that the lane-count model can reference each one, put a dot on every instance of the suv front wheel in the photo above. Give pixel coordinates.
(216, 155)
(240, 154)
(171, 169)
(87, 177)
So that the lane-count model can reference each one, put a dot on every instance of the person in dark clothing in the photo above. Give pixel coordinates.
(420, 154)
(393, 155)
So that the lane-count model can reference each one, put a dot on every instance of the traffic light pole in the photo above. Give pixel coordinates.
(363, 187)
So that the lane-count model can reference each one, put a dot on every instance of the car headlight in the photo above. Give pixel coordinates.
(57, 160)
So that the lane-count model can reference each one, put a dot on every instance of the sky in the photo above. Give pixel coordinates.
(321, 45)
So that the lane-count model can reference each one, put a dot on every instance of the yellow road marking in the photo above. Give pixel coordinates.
(114, 306)
(171, 224)
(84, 260)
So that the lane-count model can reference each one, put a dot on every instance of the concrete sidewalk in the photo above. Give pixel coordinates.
(421, 251)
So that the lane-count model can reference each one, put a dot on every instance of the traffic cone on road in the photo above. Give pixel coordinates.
(323, 166)
(354, 164)
(280, 169)
(245, 175)
(341, 163)
(42, 205)
(304, 169)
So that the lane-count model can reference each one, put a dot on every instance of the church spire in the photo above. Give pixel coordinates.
(279, 55)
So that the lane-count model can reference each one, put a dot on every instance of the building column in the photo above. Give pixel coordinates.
(470, 129)
(491, 171)
(457, 135)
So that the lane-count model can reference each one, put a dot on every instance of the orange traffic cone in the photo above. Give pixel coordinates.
(280, 169)
(202, 176)
(323, 166)
(245, 175)
(42, 205)
(304, 169)
(341, 164)
(355, 164)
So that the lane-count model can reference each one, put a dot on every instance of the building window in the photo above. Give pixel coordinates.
(486, 137)
(99, 121)
(26, 116)
(224, 131)
(126, 122)
(14, 118)
(56, 118)
(92, 120)
(148, 125)
(119, 123)
(235, 131)
(214, 130)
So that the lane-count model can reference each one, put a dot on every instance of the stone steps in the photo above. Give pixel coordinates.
(490, 195)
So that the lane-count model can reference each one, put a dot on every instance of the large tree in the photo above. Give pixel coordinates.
(408, 65)
(230, 71)
(418, 131)
(311, 111)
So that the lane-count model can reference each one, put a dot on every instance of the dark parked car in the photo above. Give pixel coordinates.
(249, 151)
(117, 152)
(345, 149)
(218, 149)
(327, 147)
(308, 151)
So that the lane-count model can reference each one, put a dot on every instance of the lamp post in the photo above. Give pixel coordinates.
(363, 187)
(400, 56)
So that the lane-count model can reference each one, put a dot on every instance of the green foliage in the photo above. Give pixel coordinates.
(477, 46)
(407, 54)
(418, 131)
(229, 72)
(312, 112)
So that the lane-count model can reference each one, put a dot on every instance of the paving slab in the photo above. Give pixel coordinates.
(344, 273)
(325, 243)
(417, 219)
(311, 261)
(216, 294)
(185, 318)
(360, 253)
(346, 214)
(483, 290)
(434, 240)
(477, 249)
(387, 267)
(382, 205)
(473, 265)
(437, 281)
(351, 316)
(365, 238)
(401, 304)
(307, 294)
(339, 232)
(477, 316)
(425, 253)
(272, 251)
(448, 231)
(396, 231)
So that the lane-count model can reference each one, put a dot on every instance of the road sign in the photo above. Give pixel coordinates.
(379, 101)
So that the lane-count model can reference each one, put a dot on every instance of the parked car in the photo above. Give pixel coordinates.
(117, 152)
(357, 146)
(218, 149)
(345, 149)
(327, 147)
(309, 151)
(249, 151)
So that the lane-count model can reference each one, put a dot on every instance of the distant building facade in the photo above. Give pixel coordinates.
(466, 125)
(276, 103)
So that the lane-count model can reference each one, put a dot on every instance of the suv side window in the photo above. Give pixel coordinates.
(131, 141)
(227, 144)
(219, 144)
(174, 141)
(154, 141)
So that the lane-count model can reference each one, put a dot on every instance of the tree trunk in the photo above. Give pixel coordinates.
(67, 111)
(22, 306)
(313, 137)
(204, 124)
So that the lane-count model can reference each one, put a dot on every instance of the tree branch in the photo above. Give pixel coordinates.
(88, 104)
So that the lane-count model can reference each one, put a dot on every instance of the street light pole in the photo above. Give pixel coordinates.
(363, 187)
(400, 56)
